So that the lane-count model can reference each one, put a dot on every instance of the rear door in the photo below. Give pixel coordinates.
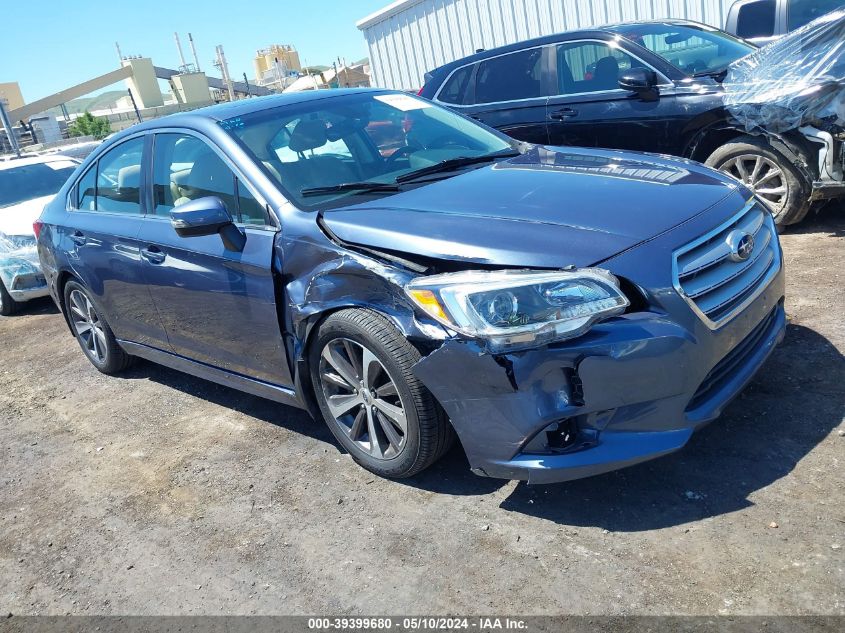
(102, 241)
(589, 109)
(507, 92)
(217, 306)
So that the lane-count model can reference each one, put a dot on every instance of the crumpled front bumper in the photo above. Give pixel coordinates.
(633, 388)
(23, 277)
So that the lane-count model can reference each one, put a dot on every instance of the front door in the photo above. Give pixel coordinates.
(218, 306)
(590, 110)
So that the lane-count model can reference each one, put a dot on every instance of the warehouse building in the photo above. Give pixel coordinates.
(410, 37)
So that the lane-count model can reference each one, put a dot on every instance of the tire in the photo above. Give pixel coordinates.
(8, 306)
(740, 157)
(361, 415)
(92, 331)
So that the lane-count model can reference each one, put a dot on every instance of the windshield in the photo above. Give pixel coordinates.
(311, 149)
(800, 12)
(27, 182)
(688, 48)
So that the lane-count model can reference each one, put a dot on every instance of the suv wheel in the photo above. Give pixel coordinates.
(373, 404)
(768, 173)
(93, 332)
(8, 306)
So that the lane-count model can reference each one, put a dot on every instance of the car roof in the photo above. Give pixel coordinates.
(601, 32)
(11, 162)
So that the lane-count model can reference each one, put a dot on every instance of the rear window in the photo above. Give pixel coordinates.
(455, 90)
(510, 77)
(28, 182)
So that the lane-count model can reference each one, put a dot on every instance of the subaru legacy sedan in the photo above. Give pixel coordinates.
(410, 276)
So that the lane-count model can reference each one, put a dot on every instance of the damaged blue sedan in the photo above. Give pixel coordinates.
(411, 277)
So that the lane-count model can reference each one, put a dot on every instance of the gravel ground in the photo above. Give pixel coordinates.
(158, 493)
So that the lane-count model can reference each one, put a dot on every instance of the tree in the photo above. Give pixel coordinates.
(89, 125)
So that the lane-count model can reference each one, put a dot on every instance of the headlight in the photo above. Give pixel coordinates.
(511, 309)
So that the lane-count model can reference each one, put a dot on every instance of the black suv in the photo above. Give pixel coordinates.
(649, 86)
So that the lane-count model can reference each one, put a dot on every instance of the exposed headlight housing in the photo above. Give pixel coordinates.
(510, 309)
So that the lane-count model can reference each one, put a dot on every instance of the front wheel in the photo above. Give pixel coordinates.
(768, 173)
(93, 332)
(373, 404)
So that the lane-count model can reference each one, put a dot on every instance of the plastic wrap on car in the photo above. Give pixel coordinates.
(18, 256)
(795, 81)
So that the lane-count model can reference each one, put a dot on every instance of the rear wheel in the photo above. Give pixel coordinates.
(768, 174)
(369, 397)
(93, 332)
(8, 306)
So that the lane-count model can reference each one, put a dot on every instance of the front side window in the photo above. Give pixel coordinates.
(590, 67)
(510, 77)
(113, 183)
(690, 49)
(356, 139)
(186, 168)
(801, 12)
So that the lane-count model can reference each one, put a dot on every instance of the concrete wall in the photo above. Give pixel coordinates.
(143, 83)
(410, 37)
(192, 88)
(10, 92)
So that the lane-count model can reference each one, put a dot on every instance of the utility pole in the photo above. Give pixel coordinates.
(119, 54)
(224, 70)
(194, 51)
(135, 105)
(10, 133)
(183, 67)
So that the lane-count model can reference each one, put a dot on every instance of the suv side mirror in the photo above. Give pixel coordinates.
(639, 80)
(207, 216)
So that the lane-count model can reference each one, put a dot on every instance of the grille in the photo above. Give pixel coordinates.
(727, 367)
(712, 279)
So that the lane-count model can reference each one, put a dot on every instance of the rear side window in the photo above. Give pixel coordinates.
(113, 184)
(186, 168)
(510, 77)
(455, 89)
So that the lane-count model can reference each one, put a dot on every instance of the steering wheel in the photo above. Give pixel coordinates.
(401, 152)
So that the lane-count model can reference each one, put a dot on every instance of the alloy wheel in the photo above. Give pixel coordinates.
(363, 399)
(762, 175)
(88, 327)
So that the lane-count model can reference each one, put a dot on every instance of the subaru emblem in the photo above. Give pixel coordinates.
(741, 245)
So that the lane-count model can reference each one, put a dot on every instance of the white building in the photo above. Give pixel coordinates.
(410, 37)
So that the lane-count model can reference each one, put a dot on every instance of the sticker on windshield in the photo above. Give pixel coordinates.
(403, 102)
(57, 165)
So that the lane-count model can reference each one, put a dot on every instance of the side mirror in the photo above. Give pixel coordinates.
(641, 81)
(207, 216)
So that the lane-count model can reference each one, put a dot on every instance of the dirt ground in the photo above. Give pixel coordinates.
(158, 493)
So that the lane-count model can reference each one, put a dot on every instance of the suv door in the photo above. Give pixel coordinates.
(106, 209)
(218, 306)
(507, 92)
(590, 109)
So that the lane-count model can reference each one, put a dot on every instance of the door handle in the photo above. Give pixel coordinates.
(563, 113)
(78, 238)
(153, 255)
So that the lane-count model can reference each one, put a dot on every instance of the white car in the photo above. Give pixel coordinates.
(26, 185)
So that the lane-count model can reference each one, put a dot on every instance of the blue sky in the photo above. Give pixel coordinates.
(63, 43)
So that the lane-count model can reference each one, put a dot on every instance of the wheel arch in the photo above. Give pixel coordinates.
(62, 280)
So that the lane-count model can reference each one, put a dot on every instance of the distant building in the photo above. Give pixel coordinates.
(356, 76)
(10, 95)
(278, 56)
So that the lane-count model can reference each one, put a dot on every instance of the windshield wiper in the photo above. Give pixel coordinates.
(350, 186)
(454, 163)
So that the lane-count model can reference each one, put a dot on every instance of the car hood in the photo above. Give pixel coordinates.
(18, 218)
(547, 208)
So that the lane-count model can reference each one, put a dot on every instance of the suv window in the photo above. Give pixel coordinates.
(756, 19)
(510, 77)
(590, 67)
(187, 168)
(454, 91)
(113, 184)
